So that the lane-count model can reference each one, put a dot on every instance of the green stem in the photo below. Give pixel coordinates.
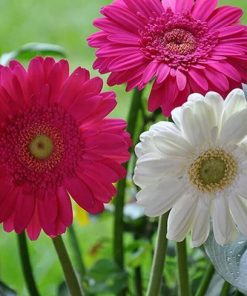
(205, 281)
(138, 280)
(184, 287)
(225, 289)
(118, 248)
(69, 273)
(77, 252)
(159, 258)
(238, 293)
(26, 265)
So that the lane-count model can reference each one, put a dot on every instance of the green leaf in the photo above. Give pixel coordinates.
(105, 277)
(6, 291)
(30, 50)
(137, 257)
(62, 290)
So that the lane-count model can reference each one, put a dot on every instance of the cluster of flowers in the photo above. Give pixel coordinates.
(56, 142)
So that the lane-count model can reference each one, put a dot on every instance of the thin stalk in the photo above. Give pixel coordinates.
(77, 252)
(118, 247)
(159, 258)
(205, 281)
(138, 281)
(184, 287)
(68, 270)
(225, 289)
(238, 293)
(26, 265)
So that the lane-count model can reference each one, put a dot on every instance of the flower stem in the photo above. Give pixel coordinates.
(184, 288)
(69, 273)
(238, 293)
(225, 289)
(205, 281)
(118, 248)
(26, 265)
(138, 280)
(77, 251)
(159, 258)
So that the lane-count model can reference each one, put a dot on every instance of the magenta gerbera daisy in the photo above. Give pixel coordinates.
(56, 144)
(185, 46)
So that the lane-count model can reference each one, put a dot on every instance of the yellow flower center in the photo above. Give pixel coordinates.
(213, 170)
(41, 147)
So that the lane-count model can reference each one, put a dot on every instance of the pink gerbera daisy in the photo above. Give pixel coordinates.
(186, 46)
(55, 143)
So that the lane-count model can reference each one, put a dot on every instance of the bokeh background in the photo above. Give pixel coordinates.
(66, 23)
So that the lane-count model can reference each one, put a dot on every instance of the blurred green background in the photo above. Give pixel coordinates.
(66, 23)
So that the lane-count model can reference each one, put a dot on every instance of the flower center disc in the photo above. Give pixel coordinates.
(213, 170)
(41, 147)
(180, 41)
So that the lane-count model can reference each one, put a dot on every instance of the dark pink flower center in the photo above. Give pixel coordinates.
(41, 146)
(177, 39)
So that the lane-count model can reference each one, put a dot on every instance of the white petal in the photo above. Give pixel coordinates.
(241, 186)
(173, 144)
(181, 217)
(159, 198)
(216, 102)
(234, 129)
(234, 103)
(161, 126)
(195, 97)
(146, 145)
(177, 116)
(238, 207)
(198, 122)
(223, 226)
(201, 225)
(151, 168)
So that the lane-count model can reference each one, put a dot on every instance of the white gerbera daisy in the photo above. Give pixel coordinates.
(197, 167)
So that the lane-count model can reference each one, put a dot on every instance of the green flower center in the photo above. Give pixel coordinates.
(41, 147)
(213, 170)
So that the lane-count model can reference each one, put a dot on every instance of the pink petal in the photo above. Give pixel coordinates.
(231, 31)
(34, 228)
(122, 63)
(83, 196)
(162, 73)
(225, 16)
(228, 69)
(203, 9)
(218, 79)
(72, 86)
(150, 72)
(138, 6)
(48, 210)
(64, 207)
(122, 16)
(59, 73)
(181, 80)
(8, 205)
(24, 210)
(155, 97)
(199, 78)
(103, 192)
(178, 6)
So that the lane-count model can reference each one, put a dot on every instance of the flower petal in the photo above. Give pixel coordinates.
(223, 226)
(238, 208)
(233, 103)
(181, 217)
(201, 226)
(233, 130)
(157, 199)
